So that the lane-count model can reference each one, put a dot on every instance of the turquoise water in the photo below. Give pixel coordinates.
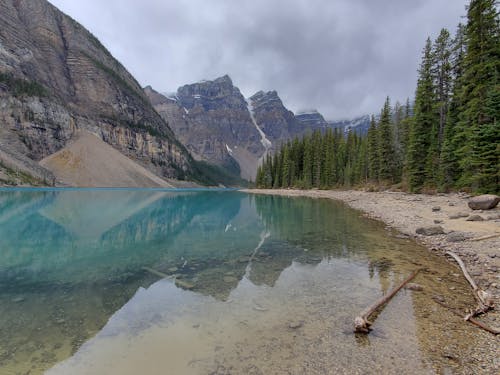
(105, 281)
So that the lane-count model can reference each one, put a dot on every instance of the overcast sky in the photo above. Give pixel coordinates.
(342, 57)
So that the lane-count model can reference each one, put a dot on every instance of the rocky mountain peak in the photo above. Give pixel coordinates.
(211, 95)
(311, 120)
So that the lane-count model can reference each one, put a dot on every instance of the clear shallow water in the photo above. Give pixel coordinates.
(214, 282)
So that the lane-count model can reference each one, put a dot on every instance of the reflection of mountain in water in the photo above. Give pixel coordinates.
(75, 257)
(79, 236)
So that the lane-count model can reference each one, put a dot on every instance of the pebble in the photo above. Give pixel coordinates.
(18, 299)
(439, 298)
(436, 209)
(437, 221)
(456, 237)
(229, 279)
(415, 287)
(295, 325)
(475, 218)
(458, 215)
(172, 269)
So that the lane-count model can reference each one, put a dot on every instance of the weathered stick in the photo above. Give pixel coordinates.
(361, 322)
(486, 237)
(495, 331)
(484, 299)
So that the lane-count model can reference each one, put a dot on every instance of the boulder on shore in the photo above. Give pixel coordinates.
(430, 230)
(484, 202)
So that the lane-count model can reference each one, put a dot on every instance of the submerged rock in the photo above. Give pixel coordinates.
(431, 230)
(484, 202)
(415, 287)
(229, 279)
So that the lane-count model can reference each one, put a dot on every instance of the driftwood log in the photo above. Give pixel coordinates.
(485, 237)
(484, 299)
(476, 322)
(361, 322)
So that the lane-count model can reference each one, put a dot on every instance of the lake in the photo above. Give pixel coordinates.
(137, 281)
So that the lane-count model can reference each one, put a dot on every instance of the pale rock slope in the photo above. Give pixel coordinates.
(90, 162)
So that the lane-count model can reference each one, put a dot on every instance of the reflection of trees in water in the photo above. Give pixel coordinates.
(327, 227)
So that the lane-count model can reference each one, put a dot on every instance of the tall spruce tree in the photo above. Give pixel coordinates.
(423, 123)
(442, 72)
(449, 170)
(478, 116)
(372, 149)
(386, 152)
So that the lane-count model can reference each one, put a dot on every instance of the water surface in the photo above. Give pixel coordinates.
(215, 282)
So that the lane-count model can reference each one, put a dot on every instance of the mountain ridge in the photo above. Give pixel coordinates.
(56, 78)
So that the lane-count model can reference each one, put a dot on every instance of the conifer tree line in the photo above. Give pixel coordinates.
(448, 138)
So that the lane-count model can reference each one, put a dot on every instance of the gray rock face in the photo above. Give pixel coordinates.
(212, 119)
(311, 121)
(56, 78)
(222, 127)
(484, 202)
(430, 230)
(274, 119)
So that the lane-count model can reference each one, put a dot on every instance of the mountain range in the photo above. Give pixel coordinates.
(72, 115)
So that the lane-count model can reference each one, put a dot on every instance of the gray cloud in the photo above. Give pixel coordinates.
(342, 57)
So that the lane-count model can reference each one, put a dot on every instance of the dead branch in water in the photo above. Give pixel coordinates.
(484, 299)
(361, 322)
(495, 331)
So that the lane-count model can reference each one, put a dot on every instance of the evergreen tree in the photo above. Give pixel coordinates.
(424, 122)
(442, 71)
(449, 168)
(478, 124)
(386, 152)
(399, 130)
(373, 163)
(286, 167)
(307, 163)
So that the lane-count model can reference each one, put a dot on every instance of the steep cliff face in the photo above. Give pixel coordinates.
(56, 78)
(273, 118)
(213, 121)
(311, 120)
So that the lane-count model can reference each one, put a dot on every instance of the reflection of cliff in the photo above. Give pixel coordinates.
(87, 214)
(77, 236)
